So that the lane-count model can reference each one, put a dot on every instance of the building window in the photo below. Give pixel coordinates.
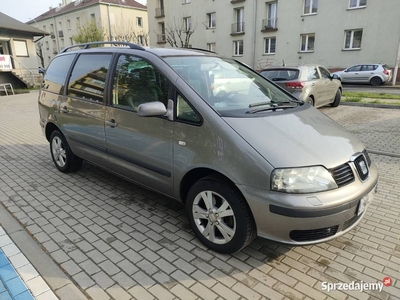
(357, 3)
(140, 40)
(270, 44)
(307, 42)
(69, 24)
(186, 1)
(51, 29)
(352, 39)
(44, 27)
(239, 20)
(272, 11)
(47, 45)
(187, 23)
(237, 48)
(211, 47)
(310, 7)
(59, 26)
(211, 20)
(93, 17)
(139, 22)
(78, 22)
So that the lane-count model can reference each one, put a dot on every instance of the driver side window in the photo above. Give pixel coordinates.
(137, 81)
(354, 69)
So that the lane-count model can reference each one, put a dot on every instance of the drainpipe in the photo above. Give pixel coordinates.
(396, 66)
(109, 22)
(253, 63)
(56, 34)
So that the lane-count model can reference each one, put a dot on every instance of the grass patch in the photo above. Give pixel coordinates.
(370, 95)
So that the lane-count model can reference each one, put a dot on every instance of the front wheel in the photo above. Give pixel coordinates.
(338, 96)
(63, 158)
(310, 101)
(219, 215)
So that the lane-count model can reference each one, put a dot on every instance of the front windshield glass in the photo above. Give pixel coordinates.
(227, 85)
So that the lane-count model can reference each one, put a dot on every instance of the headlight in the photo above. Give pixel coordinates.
(302, 180)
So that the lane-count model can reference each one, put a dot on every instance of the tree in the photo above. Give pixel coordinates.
(179, 35)
(128, 32)
(89, 32)
(39, 53)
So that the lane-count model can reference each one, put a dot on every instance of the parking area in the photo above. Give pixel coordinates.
(116, 240)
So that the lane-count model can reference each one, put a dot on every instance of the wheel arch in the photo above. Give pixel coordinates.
(50, 127)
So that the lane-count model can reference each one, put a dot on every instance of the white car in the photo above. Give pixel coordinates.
(375, 74)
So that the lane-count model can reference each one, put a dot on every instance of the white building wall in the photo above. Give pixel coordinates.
(379, 20)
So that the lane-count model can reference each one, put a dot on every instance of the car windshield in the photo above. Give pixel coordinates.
(228, 86)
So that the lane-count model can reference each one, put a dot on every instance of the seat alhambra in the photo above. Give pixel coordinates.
(247, 159)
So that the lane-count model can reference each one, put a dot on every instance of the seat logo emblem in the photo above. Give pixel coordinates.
(363, 167)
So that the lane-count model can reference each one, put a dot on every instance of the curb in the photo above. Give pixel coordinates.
(370, 105)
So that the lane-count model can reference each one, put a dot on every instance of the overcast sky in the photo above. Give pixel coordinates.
(24, 10)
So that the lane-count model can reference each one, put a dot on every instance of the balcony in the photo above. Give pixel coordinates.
(161, 39)
(52, 35)
(237, 28)
(160, 12)
(237, 1)
(60, 33)
(269, 25)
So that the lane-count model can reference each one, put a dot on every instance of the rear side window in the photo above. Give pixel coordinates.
(56, 73)
(313, 73)
(369, 67)
(89, 76)
(281, 74)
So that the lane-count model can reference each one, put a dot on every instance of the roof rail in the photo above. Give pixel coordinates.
(114, 43)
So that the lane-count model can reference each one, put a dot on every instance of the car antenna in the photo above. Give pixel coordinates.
(283, 63)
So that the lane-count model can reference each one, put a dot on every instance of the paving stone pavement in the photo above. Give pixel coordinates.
(119, 241)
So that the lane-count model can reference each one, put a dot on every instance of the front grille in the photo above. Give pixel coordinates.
(313, 234)
(359, 163)
(350, 222)
(342, 174)
(367, 157)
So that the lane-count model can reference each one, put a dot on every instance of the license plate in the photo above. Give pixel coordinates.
(365, 201)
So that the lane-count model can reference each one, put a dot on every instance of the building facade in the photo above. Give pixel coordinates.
(119, 19)
(262, 33)
(18, 60)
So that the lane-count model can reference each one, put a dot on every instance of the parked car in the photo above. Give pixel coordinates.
(310, 83)
(252, 160)
(375, 74)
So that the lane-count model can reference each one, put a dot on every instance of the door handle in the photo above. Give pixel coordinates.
(112, 123)
(64, 110)
(356, 73)
(313, 84)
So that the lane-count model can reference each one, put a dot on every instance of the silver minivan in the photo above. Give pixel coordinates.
(247, 160)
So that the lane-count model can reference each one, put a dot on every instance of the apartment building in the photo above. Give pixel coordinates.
(265, 33)
(120, 20)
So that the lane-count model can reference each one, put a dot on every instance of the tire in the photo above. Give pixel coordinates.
(310, 101)
(62, 156)
(376, 81)
(338, 96)
(207, 199)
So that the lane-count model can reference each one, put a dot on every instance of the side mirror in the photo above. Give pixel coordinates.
(334, 76)
(345, 70)
(152, 109)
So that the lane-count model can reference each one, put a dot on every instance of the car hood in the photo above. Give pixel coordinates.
(297, 137)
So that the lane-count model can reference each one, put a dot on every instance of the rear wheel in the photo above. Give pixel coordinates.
(376, 81)
(310, 101)
(219, 215)
(338, 96)
(63, 158)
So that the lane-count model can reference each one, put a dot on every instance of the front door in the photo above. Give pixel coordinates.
(330, 86)
(139, 148)
(352, 74)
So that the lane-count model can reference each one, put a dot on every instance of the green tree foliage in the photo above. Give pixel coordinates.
(89, 32)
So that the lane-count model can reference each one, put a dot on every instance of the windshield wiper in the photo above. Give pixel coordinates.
(272, 102)
(274, 107)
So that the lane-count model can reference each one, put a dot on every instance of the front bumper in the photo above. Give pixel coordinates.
(302, 219)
